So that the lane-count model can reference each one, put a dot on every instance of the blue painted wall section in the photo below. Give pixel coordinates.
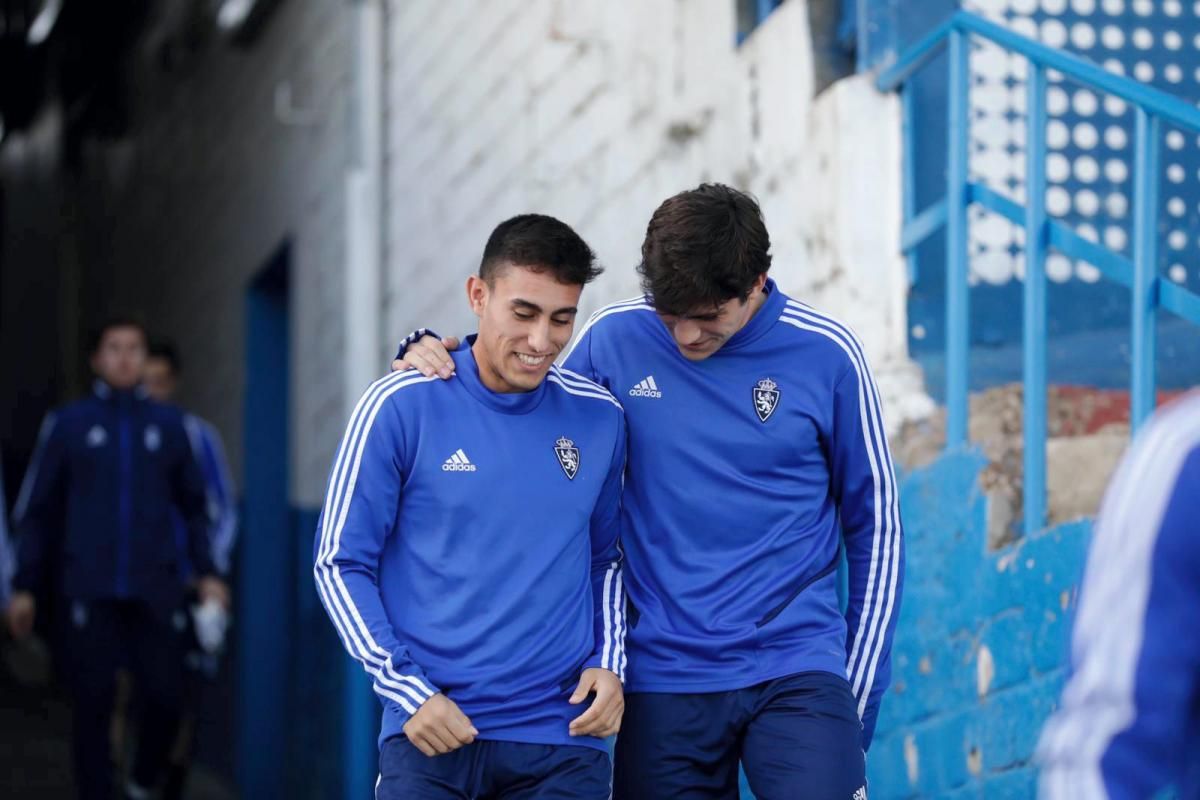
(316, 718)
(266, 579)
(980, 647)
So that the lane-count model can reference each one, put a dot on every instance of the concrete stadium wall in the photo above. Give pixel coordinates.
(980, 646)
(220, 176)
(596, 112)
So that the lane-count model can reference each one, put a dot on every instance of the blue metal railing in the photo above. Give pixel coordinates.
(1150, 291)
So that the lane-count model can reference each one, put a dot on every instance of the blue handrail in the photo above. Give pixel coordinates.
(1150, 292)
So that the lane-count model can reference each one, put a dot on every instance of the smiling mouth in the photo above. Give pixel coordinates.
(532, 361)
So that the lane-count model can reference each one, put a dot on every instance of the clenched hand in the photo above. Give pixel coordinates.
(439, 726)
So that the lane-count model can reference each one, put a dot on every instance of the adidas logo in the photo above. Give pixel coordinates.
(646, 388)
(458, 463)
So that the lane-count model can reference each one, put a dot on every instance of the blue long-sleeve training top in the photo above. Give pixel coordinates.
(745, 472)
(95, 515)
(1129, 723)
(468, 545)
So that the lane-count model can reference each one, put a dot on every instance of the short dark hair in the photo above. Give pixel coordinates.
(540, 243)
(165, 349)
(704, 247)
(112, 323)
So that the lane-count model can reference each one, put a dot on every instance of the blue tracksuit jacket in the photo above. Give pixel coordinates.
(1129, 722)
(468, 545)
(95, 509)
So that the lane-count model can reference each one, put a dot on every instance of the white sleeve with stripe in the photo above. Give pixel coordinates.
(1127, 722)
(863, 483)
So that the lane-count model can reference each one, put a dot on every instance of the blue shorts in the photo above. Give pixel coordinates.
(487, 770)
(798, 736)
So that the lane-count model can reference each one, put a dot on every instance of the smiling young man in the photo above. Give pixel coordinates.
(756, 454)
(467, 551)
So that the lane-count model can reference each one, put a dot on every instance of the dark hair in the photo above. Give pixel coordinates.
(164, 349)
(702, 248)
(540, 243)
(112, 323)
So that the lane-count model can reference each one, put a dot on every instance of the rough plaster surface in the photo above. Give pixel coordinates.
(596, 112)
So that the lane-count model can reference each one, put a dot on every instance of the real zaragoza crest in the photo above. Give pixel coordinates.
(568, 456)
(766, 399)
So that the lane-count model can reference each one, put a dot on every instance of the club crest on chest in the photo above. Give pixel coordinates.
(766, 399)
(568, 456)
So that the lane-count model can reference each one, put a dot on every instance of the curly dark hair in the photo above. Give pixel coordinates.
(541, 243)
(704, 247)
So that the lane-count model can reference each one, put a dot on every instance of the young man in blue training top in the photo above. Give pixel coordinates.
(467, 550)
(1129, 724)
(756, 451)
(94, 531)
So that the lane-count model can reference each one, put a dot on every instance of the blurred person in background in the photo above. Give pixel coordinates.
(94, 532)
(8, 562)
(467, 551)
(27, 659)
(208, 620)
(1129, 721)
(756, 452)
(161, 379)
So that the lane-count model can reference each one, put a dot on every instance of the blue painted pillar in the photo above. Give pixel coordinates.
(1034, 366)
(361, 721)
(264, 612)
(1145, 267)
(908, 145)
(957, 262)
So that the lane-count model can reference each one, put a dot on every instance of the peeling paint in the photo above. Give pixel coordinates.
(969, 605)
(985, 670)
(1005, 561)
(975, 761)
(911, 759)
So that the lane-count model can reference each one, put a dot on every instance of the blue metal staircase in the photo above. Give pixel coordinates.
(1150, 291)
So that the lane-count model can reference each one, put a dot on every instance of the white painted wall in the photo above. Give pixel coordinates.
(595, 112)
(592, 111)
